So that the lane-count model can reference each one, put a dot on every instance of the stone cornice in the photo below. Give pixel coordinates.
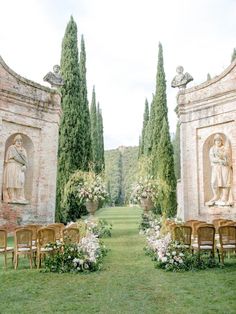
(26, 81)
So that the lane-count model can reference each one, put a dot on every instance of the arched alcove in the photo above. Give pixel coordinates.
(29, 147)
(207, 169)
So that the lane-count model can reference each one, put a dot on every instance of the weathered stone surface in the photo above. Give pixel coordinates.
(33, 111)
(204, 111)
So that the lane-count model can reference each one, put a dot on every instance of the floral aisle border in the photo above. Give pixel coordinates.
(86, 256)
(165, 252)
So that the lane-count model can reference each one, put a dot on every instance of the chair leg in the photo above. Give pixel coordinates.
(222, 256)
(16, 261)
(30, 257)
(5, 262)
(218, 252)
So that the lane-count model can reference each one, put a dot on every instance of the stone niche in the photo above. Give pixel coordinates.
(206, 111)
(33, 112)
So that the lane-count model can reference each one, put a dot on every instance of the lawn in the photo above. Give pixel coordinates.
(128, 282)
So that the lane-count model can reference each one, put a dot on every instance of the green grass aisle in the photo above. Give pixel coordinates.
(128, 283)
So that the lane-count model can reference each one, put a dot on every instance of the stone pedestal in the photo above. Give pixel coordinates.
(204, 111)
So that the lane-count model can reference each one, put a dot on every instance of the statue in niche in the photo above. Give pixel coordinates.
(221, 173)
(54, 78)
(14, 172)
(181, 80)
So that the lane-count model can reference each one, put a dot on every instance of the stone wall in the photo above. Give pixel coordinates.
(204, 111)
(33, 111)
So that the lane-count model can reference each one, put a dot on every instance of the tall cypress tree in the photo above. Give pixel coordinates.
(94, 131)
(166, 173)
(160, 111)
(86, 143)
(70, 153)
(100, 161)
(144, 129)
(176, 146)
(161, 148)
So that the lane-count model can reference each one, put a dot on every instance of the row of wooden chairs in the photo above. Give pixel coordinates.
(33, 240)
(206, 238)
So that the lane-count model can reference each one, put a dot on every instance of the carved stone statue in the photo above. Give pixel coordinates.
(14, 172)
(181, 79)
(54, 78)
(221, 173)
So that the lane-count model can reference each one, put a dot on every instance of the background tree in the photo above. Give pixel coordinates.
(176, 146)
(101, 161)
(70, 153)
(144, 129)
(94, 132)
(162, 160)
(85, 116)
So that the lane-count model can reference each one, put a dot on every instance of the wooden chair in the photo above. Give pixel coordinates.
(195, 226)
(23, 245)
(227, 237)
(205, 239)
(58, 227)
(34, 229)
(45, 236)
(71, 235)
(4, 249)
(183, 235)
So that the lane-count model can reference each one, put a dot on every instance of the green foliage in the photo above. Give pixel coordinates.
(101, 159)
(166, 174)
(102, 228)
(142, 144)
(85, 116)
(74, 133)
(176, 146)
(75, 258)
(208, 77)
(73, 207)
(233, 55)
(80, 187)
(161, 148)
(120, 173)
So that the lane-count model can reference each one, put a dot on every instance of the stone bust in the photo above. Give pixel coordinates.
(16, 163)
(54, 78)
(181, 79)
(221, 172)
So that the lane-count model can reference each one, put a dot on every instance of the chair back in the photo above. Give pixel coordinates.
(3, 239)
(23, 239)
(34, 229)
(227, 235)
(58, 227)
(195, 225)
(71, 235)
(183, 234)
(206, 235)
(45, 236)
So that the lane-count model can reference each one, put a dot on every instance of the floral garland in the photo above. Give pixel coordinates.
(87, 255)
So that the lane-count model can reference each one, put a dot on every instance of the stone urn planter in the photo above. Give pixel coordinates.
(146, 203)
(91, 207)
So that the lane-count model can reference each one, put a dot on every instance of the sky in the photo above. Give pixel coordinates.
(121, 38)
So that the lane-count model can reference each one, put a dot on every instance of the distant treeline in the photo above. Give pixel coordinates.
(120, 172)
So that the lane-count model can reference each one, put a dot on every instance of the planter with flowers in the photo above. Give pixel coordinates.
(145, 192)
(92, 191)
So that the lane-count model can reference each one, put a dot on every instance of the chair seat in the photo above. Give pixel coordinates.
(46, 249)
(203, 247)
(9, 248)
(23, 249)
(226, 246)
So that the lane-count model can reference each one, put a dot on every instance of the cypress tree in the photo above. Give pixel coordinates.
(176, 146)
(208, 77)
(166, 173)
(161, 148)
(160, 111)
(233, 55)
(94, 131)
(100, 161)
(70, 133)
(86, 143)
(145, 123)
